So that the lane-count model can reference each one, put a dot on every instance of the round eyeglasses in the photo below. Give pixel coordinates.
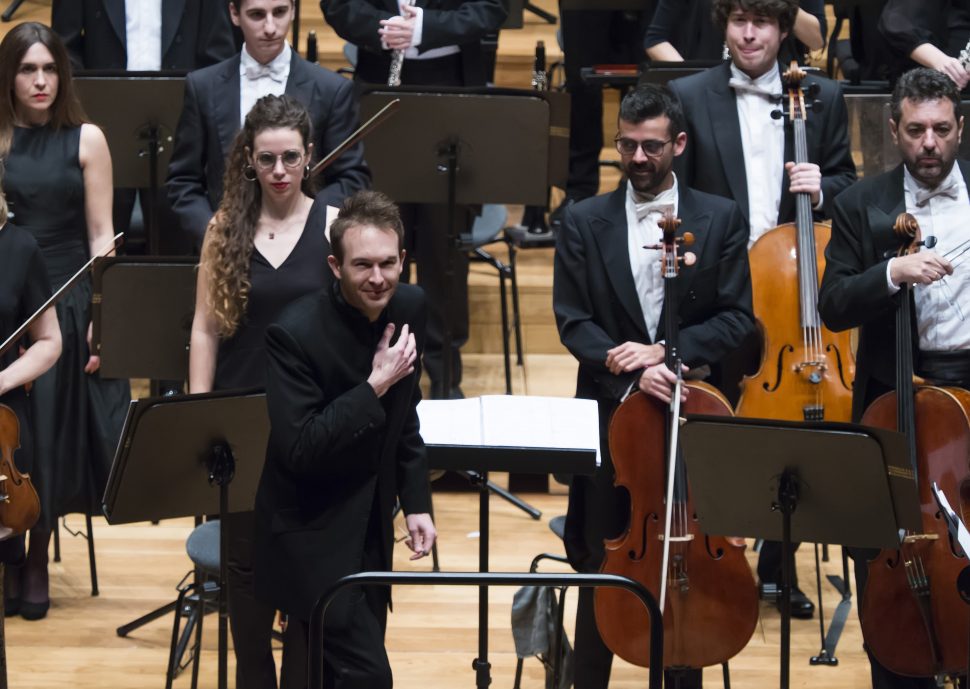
(650, 147)
(267, 161)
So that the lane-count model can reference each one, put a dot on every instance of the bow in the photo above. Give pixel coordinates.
(750, 87)
(948, 189)
(274, 71)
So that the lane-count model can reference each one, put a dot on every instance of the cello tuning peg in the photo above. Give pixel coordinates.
(687, 239)
(688, 259)
(777, 114)
(929, 242)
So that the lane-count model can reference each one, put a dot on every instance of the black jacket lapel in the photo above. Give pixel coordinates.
(225, 96)
(723, 112)
(115, 9)
(610, 233)
(172, 11)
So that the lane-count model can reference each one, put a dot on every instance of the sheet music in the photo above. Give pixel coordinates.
(512, 421)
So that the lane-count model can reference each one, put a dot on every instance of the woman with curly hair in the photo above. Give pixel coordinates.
(263, 249)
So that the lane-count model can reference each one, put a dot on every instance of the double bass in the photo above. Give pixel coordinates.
(806, 370)
(703, 583)
(913, 618)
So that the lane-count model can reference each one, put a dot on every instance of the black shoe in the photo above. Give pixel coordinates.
(802, 608)
(34, 611)
(11, 606)
(436, 392)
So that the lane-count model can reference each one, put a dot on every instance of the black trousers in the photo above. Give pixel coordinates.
(354, 656)
(592, 37)
(250, 620)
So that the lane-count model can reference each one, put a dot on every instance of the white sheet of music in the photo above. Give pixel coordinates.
(512, 421)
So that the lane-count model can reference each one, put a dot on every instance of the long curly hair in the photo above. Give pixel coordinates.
(66, 110)
(228, 246)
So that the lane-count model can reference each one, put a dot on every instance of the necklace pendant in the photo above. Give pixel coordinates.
(272, 235)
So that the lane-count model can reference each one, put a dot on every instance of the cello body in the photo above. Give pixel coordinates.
(922, 630)
(711, 604)
(806, 370)
(19, 504)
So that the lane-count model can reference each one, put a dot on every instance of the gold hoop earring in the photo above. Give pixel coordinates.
(306, 172)
(249, 173)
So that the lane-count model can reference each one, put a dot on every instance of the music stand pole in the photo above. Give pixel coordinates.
(786, 504)
(450, 152)
(150, 134)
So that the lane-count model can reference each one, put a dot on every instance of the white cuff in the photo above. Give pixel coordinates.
(418, 27)
(893, 288)
(821, 201)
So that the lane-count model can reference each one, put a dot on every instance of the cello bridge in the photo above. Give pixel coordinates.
(678, 539)
(916, 537)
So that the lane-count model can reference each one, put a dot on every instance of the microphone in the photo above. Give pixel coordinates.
(311, 47)
(539, 67)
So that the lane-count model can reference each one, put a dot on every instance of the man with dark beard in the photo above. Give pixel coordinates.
(607, 296)
(860, 287)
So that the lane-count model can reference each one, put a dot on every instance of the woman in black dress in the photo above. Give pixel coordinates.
(263, 249)
(58, 183)
(24, 288)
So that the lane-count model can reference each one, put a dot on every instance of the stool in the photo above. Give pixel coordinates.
(195, 599)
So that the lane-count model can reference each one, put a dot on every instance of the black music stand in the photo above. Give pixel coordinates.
(794, 481)
(464, 146)
(158, 474)
(139, 134)
(147, 303)
(480, 460)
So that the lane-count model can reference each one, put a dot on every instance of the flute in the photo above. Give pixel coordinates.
(397, 62)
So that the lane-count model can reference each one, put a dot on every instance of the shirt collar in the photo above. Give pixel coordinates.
(770, 80)
(667, 196)
(281, 61)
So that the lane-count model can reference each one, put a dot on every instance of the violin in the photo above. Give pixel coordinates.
(703, 583)
(806, 370)
(913, 618)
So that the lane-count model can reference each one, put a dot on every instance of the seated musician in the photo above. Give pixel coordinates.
(607, 296)
(859, 284)
(342, 394)
(737, 149)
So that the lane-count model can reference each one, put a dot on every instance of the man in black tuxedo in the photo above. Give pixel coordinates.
(344, 446)
(736, 149)
(190, 34)
(442, 44)
(608, 295)
(861, 283)
(217, 99)
(140, 36)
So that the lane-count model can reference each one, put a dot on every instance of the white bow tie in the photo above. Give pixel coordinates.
(948, 189)
(751, 87)
(256, 71)
(658, 207)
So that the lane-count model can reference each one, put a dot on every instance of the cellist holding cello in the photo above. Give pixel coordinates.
(608, 296)
(861, 287)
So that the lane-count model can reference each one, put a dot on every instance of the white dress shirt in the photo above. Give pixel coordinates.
(143, 35)
(646, 263)
(943, 307)
(763, 143)
(271, 79)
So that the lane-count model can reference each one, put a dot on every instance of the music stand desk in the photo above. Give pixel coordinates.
(177, 457)
(791, 481)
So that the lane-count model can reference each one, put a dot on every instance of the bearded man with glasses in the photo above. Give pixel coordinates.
(607, 296)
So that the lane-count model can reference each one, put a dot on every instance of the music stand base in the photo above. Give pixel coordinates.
(824, 658)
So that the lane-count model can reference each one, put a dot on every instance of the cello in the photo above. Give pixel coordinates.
(806, 370)
(911, 608)
(703, 583)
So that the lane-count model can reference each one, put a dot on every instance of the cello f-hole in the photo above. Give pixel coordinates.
(781, 356)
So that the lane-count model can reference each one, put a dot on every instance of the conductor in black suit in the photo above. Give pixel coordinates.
(608, 297)
(441, 40)
(737, 149)
(115, 34)
(342, 393)
(217, 99)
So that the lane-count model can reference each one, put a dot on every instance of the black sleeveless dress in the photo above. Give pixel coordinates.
(77, 417)
(241, 360)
